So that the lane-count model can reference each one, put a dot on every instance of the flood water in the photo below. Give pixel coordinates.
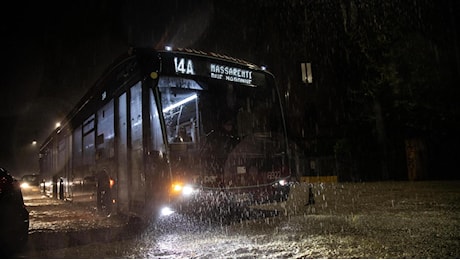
(348, 220)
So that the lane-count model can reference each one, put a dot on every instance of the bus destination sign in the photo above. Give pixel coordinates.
(230, 74)
(210, 69)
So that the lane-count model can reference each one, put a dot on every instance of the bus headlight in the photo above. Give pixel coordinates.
(185, 190)
(177, 188)
(188, 190)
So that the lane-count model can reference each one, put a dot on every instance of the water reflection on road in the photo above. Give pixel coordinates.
(352, 220)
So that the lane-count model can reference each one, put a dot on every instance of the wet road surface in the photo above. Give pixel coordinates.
(348, 220)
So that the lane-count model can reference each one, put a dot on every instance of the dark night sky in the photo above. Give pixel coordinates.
(54, 50)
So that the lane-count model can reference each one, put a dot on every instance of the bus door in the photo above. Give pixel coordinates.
(131, 177)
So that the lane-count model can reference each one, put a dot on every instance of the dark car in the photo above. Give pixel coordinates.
(14, 217)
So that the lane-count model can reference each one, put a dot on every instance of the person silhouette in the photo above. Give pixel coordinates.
(182, 136)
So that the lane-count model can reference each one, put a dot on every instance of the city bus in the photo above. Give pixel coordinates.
(172, 130)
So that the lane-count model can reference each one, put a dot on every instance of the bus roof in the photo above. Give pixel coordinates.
(222, 57)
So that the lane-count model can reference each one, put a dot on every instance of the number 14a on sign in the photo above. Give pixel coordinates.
(183, 66)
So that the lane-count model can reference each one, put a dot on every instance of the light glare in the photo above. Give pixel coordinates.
(180, 103)
(187, 190)
(166, 211)
(177, 187)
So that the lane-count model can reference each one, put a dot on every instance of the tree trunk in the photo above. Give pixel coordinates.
(381, 138)
(416, 159)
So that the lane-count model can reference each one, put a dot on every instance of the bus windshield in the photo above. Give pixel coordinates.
(194, 110)
(219, 125)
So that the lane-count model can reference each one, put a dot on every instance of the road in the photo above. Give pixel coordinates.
(348, 220)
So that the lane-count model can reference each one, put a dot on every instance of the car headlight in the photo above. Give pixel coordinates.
(25, 185)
